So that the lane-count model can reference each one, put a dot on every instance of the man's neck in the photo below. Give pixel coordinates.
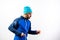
(24, 16)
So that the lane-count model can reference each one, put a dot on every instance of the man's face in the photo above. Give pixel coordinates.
(28, 15)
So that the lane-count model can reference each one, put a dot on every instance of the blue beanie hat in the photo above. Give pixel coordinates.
(27, 10)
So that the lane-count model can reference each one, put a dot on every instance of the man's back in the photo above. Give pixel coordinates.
(23, 25)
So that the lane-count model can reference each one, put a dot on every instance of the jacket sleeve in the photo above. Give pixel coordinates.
(31, 31)
(13, 28)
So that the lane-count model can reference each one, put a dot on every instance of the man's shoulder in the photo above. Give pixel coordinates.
(16, 19)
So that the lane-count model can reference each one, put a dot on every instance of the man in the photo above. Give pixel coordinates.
(22, 26)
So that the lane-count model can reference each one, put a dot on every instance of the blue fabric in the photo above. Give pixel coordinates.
(20, 25)
(27, 10)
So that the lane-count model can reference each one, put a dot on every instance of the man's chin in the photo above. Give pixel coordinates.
(28, 18)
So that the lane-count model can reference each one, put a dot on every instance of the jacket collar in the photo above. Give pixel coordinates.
(24, 17)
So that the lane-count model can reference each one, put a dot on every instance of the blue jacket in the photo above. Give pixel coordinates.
(20, 25)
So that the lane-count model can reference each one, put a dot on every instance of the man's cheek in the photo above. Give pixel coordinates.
(29, 15)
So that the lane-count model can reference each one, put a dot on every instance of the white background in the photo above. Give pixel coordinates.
(45, 17)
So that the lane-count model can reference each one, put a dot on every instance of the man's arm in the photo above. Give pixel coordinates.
(13, 28)
(33, 32)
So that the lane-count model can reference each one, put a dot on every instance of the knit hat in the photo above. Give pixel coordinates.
(27, 10)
